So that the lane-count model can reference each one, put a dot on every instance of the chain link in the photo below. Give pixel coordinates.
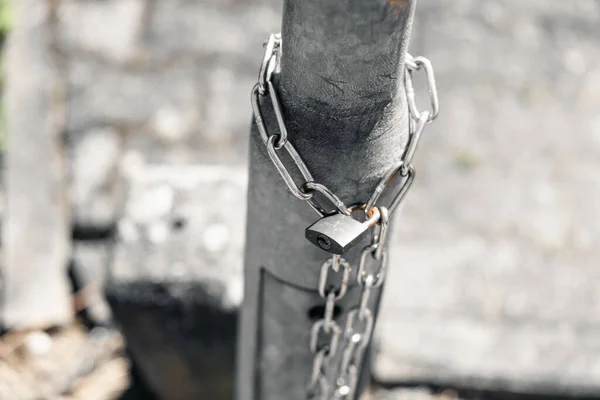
(326, 334)
(325, 191)
(414, 64)
(263, 88)
(359, 321)
(305, 190)
(379, 275)
(318, 385)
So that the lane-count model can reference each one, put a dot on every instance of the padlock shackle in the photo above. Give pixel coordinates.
(371, 217)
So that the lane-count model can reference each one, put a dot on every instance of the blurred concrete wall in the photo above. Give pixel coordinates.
(99, 89)
(495, 272)
(154, 88)
(156, 81)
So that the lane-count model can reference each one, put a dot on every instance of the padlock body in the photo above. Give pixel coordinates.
(336, 233)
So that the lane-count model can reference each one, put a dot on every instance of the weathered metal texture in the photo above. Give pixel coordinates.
(340, 90)
(495, 264)
(35, 290)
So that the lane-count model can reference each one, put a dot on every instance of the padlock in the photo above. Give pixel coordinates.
(337, 233)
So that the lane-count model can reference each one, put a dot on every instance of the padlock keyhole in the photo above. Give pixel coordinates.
(324, 242)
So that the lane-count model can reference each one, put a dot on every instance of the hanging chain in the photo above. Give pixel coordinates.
(326, 334)
(318, 385)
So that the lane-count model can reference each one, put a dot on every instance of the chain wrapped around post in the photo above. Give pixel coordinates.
(355, 337)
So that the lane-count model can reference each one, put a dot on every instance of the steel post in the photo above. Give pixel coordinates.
(341, 90)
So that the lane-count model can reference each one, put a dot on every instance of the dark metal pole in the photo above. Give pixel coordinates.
(341, 92)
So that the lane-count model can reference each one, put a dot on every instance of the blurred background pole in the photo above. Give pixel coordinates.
(340, 87)
(36, 232)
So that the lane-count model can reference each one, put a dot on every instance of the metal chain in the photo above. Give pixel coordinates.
(359, 321)
(318, 385)
(276, 141)
(326, 334)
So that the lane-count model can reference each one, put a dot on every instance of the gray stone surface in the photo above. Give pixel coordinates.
(170, 78)
(34, 289)
(108, 29)
(183, 225)
(175, 281)
(217, 29)
(95, 189)
(494, 271)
